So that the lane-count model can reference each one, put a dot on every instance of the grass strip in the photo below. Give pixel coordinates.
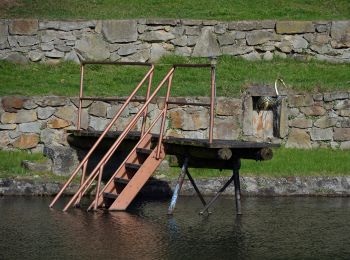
(195, 9)
(233, 75)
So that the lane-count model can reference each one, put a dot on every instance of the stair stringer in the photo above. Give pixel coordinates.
(138, 180)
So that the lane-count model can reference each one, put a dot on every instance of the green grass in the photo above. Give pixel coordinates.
(287, 163)
(10, 165)
(233, 74)
(195, 9)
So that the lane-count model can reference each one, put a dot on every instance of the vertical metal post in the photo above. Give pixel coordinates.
(143, 127)
(83, 174)
(98, 186)
(212, 101)
(165, 109)
(80, 96)
(237, 185)
(178, 186)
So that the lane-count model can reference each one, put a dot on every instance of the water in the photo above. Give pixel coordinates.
(271, 228)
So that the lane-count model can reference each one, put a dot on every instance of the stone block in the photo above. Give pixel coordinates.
(26, 141)
(17, 58)
(321, 134)
(226, 129)
(93, 47)
(313, 111)
(345, 145)
(291, 27)
(12, 103)
(52, 101)
(35, 56)
(172, 22)
(4, 139)
(325, 122)
(191, 22)
(45, 112)
(120, 30)
(97, 123)
(24, 26)
(64, 159)
(300, 100)
(32, 127)
(193, 31)
(283, 131)
(207, 45)
(55, 54)
(340, 33)
(235, 50)
(247, 115)
(227, 39)
(189, 120)
(113, 110)
(24, 41)
(245, 25)
(98, 108)
(84, 104)
(53, 137)
(341, 134)
(180, 41)
(7, 127)
(183, 51)
(298, 138)
(252, 56)
(268, 56)
(229, 107)
(41, 166)
(127, 49)
(157, 36)
(301, 123)
(260, 37)
(57, 123)
(67, 113)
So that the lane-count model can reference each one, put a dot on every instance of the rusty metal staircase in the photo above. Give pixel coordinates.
(144, 158)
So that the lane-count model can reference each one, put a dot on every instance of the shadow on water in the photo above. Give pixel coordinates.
(271, 228)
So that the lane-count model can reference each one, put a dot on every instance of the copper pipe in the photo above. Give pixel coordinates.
(98, 185)
(143, 126)
(117, 63)
(212, 102)
(127, 158)
(205, 65)
(119, 139)
(164, 115)
(82, 181)
(101, 137)
(80, 96)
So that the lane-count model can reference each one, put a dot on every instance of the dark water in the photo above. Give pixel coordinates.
(271, 228)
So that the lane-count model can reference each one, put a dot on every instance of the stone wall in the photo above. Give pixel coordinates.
(147, 40)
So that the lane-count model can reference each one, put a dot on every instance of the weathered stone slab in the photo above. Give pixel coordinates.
(229, 107)
(172, 22)
(127, 49)
(26, 141)
(226, 129)
(193, 120)
(64, 159)
(17, 58)
(44, 166)
(191, 22)
(24, 26)
(97, 123)
(207, 45)
(8, 127)
(157, 36)
(55, 54)
(260, 37)
(98, 109)
(13, 103)
(45, 112)
(313, 111)
(32, 127)
(35, 56)
(325, 122)
(244, 25)
(321, 134)
(84, 104)
(67, 113)
(120, 30)
(93, 47)
(301, 123)
(52, 101)
(300, 100)
(227, 39)
(298, 138)
(290, 27)
(57, 123)
(341, 134)
(340, 33)
(51, 137)
(24, 41)
(345, 145)
(247, 115)
(235, 50)
(66, 25)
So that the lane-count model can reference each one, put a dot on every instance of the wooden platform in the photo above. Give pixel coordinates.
(202, 154)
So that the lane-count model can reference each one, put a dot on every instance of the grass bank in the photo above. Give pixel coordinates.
(195, 9)
(285, 163)
(233, 74)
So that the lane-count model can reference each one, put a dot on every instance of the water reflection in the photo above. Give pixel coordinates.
(270, 228)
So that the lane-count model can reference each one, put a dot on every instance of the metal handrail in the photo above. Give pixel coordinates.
(149, 75)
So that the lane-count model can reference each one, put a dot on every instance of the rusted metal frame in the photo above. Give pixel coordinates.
(212, 104)
(127, 158)
(178, 187)
(141, 100)
(143, 126)
(195, 187)
(81, 93)
(202, 65)
(101, 137)
(164, 115)
(83, 174)
(188, 103)
(100, 172)
(117, 63)
(118, 141)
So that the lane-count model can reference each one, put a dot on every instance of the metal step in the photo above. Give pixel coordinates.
(143, 151)
(109, 198)
(121, 181)
(132, 167)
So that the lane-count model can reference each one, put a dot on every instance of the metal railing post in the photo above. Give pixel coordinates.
(80, 96)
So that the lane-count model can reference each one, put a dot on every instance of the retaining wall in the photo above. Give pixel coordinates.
(147, 40)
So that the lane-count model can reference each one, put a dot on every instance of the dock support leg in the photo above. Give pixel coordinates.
(196, 188)
(180, 181)
(237, 184)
